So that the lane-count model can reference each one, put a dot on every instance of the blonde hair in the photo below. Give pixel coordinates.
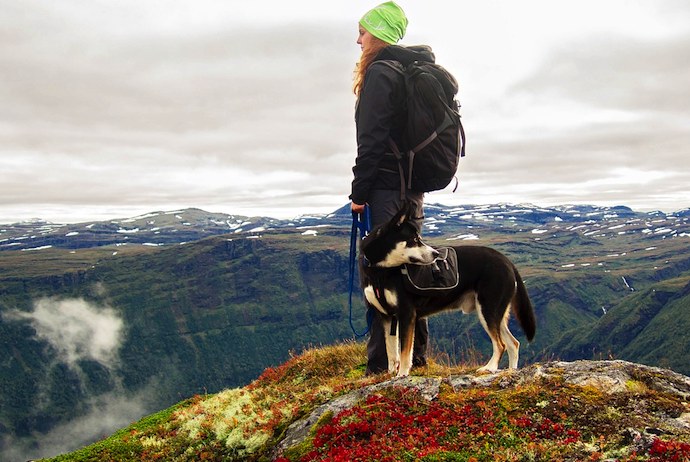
(365, 61)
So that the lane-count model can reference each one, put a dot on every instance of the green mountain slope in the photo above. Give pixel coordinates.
(649, 326)
(199, 317)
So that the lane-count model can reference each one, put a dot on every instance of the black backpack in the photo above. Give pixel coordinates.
(434, 139)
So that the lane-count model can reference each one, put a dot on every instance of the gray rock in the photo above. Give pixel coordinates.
(607, 376)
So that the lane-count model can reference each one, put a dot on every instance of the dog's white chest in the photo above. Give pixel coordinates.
(389, 296)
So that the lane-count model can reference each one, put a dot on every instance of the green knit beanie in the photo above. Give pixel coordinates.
(386, 22)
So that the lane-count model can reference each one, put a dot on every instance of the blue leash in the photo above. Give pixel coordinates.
(361, 223)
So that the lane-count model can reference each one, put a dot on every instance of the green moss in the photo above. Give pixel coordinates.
(635, 386)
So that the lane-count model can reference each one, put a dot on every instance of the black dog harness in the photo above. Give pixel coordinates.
(430, 280)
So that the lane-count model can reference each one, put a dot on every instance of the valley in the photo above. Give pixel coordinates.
(150, 310)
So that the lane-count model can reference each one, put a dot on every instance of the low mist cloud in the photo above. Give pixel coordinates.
(107, 413)
(76, 329)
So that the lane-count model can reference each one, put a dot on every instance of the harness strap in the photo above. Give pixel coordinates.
(381, 297)
(394, 326)
(398, 157)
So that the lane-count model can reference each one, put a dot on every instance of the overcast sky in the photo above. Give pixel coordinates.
(116, 108)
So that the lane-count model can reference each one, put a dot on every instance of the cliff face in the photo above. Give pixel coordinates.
(319, 406)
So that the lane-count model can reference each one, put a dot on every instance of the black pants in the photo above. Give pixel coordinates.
(384, 204)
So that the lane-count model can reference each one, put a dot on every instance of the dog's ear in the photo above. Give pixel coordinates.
(404, 214)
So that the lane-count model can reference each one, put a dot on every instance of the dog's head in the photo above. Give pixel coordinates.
(397, 243)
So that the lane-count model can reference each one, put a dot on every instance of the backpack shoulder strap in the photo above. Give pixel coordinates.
(399, 68)
(395, 65)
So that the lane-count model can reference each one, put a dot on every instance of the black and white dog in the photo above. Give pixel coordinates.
(488, 283)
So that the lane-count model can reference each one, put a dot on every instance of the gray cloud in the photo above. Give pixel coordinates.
(105, 413)
(618, 72)
(76, 330)
(132, 107)
(619, 144)
(220, 115)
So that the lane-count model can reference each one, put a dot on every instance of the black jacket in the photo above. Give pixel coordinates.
(380, 115)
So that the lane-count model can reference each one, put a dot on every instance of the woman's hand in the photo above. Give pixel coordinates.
(357, 208)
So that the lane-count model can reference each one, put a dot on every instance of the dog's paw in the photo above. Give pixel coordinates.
(394, 367)
(486, 370)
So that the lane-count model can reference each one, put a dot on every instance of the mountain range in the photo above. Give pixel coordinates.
(161, 228)
(125, 317)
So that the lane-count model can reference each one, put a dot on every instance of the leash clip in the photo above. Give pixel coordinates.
(362, 221)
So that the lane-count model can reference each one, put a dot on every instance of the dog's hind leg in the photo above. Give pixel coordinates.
(392, 350)
(498, 349)
(512, 344)
(496, 343)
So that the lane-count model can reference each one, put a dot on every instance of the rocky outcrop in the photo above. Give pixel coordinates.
(623, 379)
(607, 376)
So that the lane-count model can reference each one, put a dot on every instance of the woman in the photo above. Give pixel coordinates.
(380, 117)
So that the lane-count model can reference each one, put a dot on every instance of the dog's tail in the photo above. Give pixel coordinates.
(522, 307)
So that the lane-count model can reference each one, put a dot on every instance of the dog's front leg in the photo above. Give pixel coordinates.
(406, 334)
(392, 350)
